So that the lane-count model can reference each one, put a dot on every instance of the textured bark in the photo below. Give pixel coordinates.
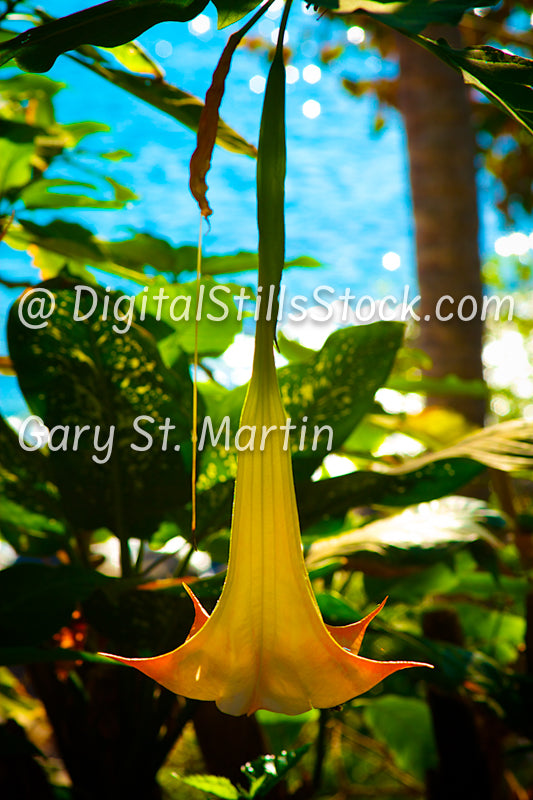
(468, 737)
(434, 103)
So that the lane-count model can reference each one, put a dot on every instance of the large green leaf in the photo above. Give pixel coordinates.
(263, 774)
(15, 164)
(69, 240)
(36, 600)
(329, 393)
(408, 15)
(267, 771)
(505, 78)
(89, 373)
(143, 249)
(23, 87)
(480, 623)
(215, 785)
(404, 725)
(230, 11)
(507, 446)
(420, 534)
(28, 533)
(41, 194)
(178, 104)
(108, 24)
(134, 58)
(31, 518)
(337, 387)
(335, 496)
(218, 319)
(129, 257)
(25, 478)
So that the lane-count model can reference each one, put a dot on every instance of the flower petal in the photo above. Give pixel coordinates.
(351, 636)
(265, 645)
(200, 614)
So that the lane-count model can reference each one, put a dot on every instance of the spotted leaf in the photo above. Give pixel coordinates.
(85, 377)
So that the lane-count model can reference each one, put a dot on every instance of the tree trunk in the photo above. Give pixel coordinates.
(434, 103)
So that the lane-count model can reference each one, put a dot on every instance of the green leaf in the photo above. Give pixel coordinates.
(135, 59)
(30, 534)
(503, 591)
(75, 242)
(336, 610)
(419, 534)
(499, 634)
(15, 164)
(506, 79)
(71, 242)
(58, 246)
(37, 600)
(506, 446)
(218, 321)
(117, 155)
(245, 262)
(404, 725)
(450, 385)
(331, 390)
(411, 15)
(76, 131)
(23, 87)
(108, 24)
(143, 250)
(267, 771)
(182, 106)
(39, 195)
(335, 496)
(230, 11)
(220, 787)
(26, 482)
(336, 388)
(123, 472)
(294, 351)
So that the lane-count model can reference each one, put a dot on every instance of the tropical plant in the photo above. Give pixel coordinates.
(107, 381)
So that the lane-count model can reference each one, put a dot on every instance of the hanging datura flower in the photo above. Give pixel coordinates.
(265, 645)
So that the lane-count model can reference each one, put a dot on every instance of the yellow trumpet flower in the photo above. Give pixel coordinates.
(265, 645)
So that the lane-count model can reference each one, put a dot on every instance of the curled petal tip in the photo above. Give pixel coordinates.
(200, 614)
(351, 636)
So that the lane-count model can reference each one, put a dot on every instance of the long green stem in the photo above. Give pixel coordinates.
(271, 170)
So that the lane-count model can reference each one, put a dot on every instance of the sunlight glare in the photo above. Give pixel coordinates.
(355, 35)
(275, 9)
(311, 109)
(257, 84)
(200, 25)
(163, 49)
(391, 261)
(293, 74)
(399, 444)
(311, 73)
(516, 244)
